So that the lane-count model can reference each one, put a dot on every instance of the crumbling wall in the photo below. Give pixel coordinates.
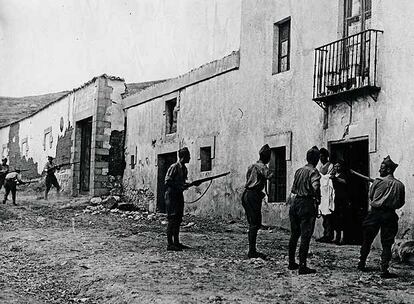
(16, 160)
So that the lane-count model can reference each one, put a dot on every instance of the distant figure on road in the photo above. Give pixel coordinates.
(50, 169)
(256, 179)
(326, 207)
(4, 169)
(176, 183)
(385, 195)
(11, 181)
(303, 210)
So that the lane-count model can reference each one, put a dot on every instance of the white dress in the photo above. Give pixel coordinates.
(327, 192)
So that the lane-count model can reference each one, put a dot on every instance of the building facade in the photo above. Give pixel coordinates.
(329, 73)
(84, 127)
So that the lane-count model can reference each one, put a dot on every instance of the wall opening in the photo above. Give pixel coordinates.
(205, 157)
(164, 162)
(355, 156)
(85, 127)
(171, 116)
(281, 46)
(277, 184)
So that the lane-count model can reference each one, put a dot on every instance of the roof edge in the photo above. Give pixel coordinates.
(109, 77)
(209, 70)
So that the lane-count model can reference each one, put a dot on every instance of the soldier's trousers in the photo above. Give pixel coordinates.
(302, 215)
(10, 186)
(174, 203)
(252, 204)
(378, 219)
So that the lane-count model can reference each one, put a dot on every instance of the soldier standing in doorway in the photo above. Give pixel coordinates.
(50, 169)
(10, 183)
(385, 195)
(256, 179)
(303, 210)
(176, 183)
(4, 169)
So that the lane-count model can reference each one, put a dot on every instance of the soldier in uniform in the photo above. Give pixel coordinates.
(303, 210)
(4, 169)
(10, 183)
(176, 183)
(256, 179)
(386, 195)
(50, 169)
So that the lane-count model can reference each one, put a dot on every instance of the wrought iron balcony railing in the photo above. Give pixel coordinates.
(346, 67)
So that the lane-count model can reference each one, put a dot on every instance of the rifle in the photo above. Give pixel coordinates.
(205, 179)
(367, 178)
(62, 164)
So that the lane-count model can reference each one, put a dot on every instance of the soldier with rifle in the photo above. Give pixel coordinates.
(4, 169)
(12, 179)
(386, 195)
(50, 169)
(176, 183)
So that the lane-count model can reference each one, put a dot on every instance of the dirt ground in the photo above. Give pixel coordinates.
(54, 252)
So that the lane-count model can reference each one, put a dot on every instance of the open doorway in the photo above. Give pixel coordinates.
(355, 156)
(164, 162)
(85, 154)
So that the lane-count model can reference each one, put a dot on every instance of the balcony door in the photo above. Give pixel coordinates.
(357, 16)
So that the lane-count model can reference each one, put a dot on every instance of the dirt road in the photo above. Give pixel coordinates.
(53, 252)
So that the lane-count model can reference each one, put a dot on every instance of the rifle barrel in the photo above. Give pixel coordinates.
(361, 175)
(205, 179)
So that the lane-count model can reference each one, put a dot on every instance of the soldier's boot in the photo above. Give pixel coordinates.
(303, 269)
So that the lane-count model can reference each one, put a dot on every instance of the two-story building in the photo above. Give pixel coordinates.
(331, 73)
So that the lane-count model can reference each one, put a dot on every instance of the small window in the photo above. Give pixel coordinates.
(132, 161)
(25, 147)
(281, 46)
(205, 157)
(171, 116)
(47, 139)
(277, 184)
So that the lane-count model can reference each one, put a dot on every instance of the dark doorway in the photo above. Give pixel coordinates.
(85, 154)
(164, 162)
(355, 156)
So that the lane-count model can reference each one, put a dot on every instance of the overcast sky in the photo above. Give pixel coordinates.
(53, 45)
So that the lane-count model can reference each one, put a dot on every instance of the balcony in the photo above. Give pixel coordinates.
(346, 68)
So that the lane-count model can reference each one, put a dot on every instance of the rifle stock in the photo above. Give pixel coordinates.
(205, 179)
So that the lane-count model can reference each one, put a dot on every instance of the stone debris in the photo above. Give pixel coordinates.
(95, 201)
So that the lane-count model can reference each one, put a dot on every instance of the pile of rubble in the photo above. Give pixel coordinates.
(114, 205)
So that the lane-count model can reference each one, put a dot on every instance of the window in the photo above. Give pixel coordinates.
(357, 16)
(132, 161)
(277, 184)
(25, 147)
(281, 46)
(171, 116)
(47, 139)
(205, 157)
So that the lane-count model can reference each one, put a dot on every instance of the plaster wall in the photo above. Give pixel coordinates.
(248, 107)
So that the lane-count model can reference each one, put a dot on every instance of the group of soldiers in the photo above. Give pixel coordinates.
(311, 194)
(386, 194)
(11, 178)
